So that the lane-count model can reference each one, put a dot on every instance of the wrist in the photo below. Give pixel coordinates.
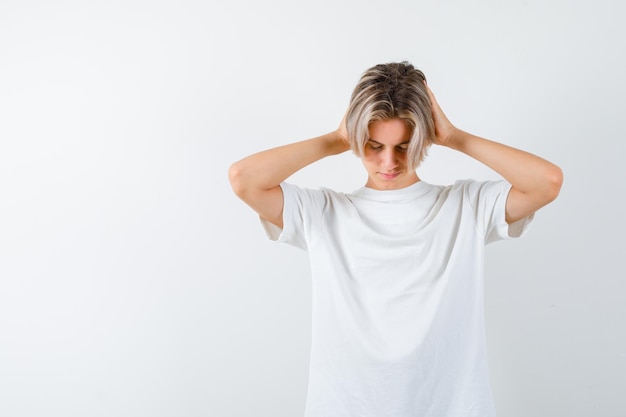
(456, 139)
(336, 143)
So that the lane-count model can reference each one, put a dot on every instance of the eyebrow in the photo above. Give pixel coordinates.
(403, 143)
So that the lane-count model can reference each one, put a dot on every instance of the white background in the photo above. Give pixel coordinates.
(134, 283)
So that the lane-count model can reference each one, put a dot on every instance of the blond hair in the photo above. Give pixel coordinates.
(387, 91)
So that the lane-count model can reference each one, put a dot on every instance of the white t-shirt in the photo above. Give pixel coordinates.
(397, 291)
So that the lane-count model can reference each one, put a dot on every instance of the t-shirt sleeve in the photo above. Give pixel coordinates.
(488, 200)
(302, 213)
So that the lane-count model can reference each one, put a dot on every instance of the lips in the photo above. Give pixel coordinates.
(389, 176)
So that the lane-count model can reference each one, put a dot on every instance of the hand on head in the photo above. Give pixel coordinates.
(342, 132)
(444, 129)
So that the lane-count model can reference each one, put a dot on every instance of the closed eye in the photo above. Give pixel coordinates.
(374, 146)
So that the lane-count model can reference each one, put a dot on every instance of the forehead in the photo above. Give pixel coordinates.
(389, 132)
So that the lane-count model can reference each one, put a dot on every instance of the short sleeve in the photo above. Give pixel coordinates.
(488, 200)
(302, 213)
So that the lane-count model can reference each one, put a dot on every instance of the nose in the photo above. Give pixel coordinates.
(389, 159)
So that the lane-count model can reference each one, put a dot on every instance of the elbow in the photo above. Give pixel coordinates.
(554, 181)
(235, 177)
(245, 179)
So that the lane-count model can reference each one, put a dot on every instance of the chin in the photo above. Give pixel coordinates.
(384, 185)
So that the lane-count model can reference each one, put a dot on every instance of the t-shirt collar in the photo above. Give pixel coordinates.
(414, 190)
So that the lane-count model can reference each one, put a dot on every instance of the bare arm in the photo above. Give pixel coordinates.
(535, 181)
(256, 179)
